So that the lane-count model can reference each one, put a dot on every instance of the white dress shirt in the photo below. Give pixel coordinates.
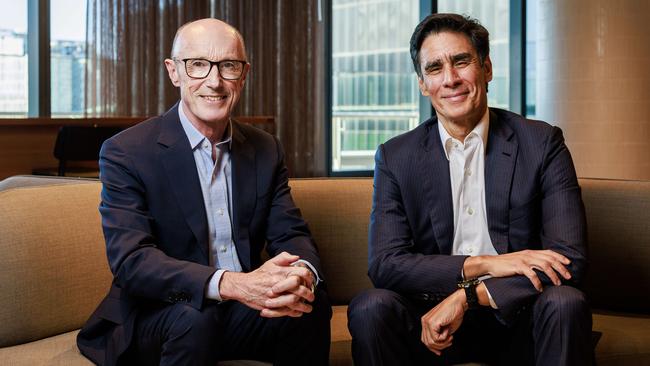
(467, 174)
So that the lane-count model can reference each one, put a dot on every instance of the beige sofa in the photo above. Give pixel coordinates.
(53, 268)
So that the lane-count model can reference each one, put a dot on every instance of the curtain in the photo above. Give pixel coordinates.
(128, 40)
(285, 45)
(126, 43)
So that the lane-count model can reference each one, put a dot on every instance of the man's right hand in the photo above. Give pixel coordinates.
(276, 288)
(520, 263)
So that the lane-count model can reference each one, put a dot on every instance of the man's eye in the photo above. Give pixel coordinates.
(198, 63)
(433, 69)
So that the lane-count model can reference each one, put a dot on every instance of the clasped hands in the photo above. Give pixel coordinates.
(440, 323)
(280, 287)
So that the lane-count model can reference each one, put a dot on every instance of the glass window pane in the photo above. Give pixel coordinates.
(13, 58)
(491, 14)
(68, 56)
(373, 78)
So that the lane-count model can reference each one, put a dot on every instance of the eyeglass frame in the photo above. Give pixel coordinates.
(212, 63)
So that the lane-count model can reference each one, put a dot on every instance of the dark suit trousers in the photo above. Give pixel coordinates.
(179, 334)
(555, 330)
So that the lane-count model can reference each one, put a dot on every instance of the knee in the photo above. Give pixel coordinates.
(562, 301)
(321, 312)
(371, 308)
(191, 323)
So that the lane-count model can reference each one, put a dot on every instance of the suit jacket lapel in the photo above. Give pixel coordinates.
(244, 192)
(501, 155)
(178, 161)
(437, 186)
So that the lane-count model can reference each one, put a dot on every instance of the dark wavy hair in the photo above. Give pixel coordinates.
(437, 23)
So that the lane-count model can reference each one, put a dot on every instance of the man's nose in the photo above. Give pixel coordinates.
(213, 79)
(451, 77)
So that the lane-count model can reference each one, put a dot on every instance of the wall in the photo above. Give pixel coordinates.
(593, 65)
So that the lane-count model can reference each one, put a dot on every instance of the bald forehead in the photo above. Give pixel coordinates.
(206, 35)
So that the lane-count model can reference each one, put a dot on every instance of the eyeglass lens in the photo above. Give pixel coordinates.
(228, 69)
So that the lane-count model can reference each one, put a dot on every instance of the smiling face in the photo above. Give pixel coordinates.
(209, 100)
(453, 78)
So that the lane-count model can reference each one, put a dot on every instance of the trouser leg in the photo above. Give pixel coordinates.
(284, 341)
(385, 329)
(176, 335)
(562, 327)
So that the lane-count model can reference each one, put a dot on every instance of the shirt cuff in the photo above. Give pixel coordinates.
(212, 292)
(311, 268)
(493, 304)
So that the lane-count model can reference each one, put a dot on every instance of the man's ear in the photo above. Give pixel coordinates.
(172, 72)
(247, 69)
(487, 67)
(423, 87)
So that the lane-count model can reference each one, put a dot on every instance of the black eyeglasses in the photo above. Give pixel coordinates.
(198, 68)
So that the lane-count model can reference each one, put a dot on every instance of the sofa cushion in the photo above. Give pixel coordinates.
(618, 217)
(338, 213)
(625, 340)
(53, 261)
(59, 350)
(22, 181)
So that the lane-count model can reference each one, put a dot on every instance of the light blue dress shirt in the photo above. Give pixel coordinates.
(216, 178)
(216, 186)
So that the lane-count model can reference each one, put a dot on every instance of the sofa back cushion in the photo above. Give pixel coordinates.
(53, 268)
(337, 211)
(618, 222)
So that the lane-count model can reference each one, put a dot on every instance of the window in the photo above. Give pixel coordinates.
(531, 59)
(374, 88)
(494, 15)
(67, 23)
(13, 58)
(67, 56)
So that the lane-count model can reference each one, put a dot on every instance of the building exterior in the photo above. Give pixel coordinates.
(67, 75)
(374, 89)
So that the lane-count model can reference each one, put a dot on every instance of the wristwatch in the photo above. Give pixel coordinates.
(470, 292)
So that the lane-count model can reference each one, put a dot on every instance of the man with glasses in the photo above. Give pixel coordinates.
(189, 200)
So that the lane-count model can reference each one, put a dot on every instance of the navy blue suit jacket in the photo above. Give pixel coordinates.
(156, 229)
(532, 198)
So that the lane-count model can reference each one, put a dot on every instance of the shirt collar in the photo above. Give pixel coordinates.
(197, 137)
(481, 130)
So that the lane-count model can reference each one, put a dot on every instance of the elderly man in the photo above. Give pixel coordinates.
(189, 200)
(477, 233)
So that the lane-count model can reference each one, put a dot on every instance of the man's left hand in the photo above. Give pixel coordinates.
(441, 322)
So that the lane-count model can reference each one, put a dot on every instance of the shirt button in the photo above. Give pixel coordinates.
(470, 211)
(470, 250)
(220, 211)
(468, 172)
(223, 249)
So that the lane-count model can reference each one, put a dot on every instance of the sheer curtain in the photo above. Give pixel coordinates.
(128, 40)
(126, 43)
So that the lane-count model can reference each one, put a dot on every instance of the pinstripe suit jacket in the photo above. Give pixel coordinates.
(532, 197)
